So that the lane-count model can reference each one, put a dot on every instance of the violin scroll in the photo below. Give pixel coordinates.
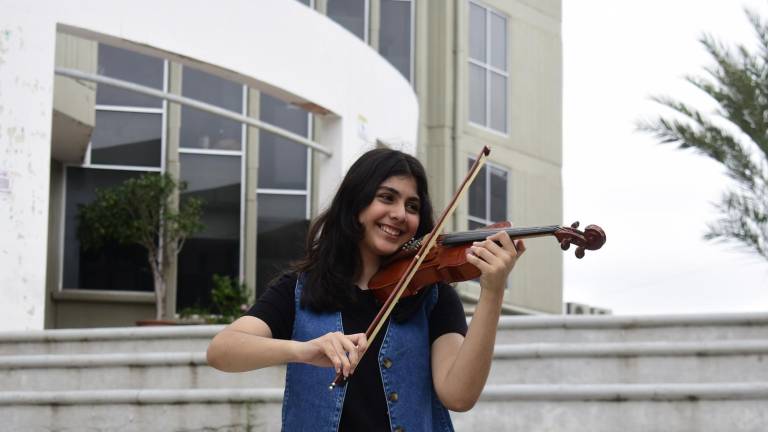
(592, 238)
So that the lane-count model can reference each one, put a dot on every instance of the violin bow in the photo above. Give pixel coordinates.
(426, 246)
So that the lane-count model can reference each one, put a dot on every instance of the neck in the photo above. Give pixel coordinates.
(481, 234)
(371, 265)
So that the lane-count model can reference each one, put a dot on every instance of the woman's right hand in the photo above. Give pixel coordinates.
(337, 350)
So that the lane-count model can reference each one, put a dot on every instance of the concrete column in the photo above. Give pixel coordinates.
(172, 167)
(251, 155)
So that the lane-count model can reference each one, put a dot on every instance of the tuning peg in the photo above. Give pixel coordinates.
(565, 244)
(580, 252)
(575, 225)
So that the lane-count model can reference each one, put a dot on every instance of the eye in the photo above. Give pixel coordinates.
(412, 207)
(386, 197)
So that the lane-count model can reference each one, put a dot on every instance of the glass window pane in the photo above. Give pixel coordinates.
(282, 162)
(477, 94)
(283, 115)
(498, 102)
(123, 138)
(212, 89)
(216, 250)
(208, 131)
(282, 227)
(477, 32)
(477, 194)
(498, 41)
(113, 267)
(128, 66)
(395, 35)
(498, 194)
(350, 14)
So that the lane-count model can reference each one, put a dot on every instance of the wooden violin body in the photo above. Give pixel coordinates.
(447, 261)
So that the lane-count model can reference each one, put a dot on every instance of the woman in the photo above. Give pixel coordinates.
(423, 361)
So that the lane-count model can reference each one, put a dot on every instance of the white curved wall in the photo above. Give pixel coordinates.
(279, 46)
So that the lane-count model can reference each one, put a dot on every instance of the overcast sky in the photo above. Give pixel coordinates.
(652, 200)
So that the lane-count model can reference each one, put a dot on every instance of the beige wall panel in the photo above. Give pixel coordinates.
(536, 94)
(55, 236)
(537, 201)
(75, 314)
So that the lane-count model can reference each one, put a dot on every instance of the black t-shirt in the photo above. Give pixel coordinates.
(365, 406)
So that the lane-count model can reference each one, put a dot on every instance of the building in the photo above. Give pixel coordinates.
(433, 78)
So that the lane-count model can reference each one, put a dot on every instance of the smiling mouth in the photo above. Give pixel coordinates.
(392, 232)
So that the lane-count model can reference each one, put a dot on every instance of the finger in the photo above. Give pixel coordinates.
(473, 259)
(359, 340)
(520, 246)
(333, 354)
(352, 352)
(503, 238)
(338, 345)
(492, 246)
(483, 252)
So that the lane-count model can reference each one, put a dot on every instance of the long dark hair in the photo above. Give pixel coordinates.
(332, 258)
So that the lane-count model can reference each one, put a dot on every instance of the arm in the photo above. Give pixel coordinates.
(460, 365)
(247, 344)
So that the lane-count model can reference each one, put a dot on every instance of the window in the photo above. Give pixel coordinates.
(127, 141)
(283, 197)
(112, 267)
(488, 71)
(350, 14)
(202, 130)
(488, 196)
(210, 157)
(396, 34)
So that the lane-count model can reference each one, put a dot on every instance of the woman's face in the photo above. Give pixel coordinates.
(391, 218)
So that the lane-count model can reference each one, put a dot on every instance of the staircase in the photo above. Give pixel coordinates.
(550, 373)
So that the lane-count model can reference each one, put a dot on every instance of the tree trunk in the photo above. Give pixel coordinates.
(159, 297)
(157, 275)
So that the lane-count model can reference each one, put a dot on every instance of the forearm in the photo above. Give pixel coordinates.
(237, 351)
(468, 373)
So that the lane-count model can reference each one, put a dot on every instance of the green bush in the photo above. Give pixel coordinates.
(229, 301)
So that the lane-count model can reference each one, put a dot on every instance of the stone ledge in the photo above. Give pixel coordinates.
(506, 351)
(496, 393)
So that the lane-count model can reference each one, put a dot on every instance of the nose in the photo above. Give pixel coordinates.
(397, 212)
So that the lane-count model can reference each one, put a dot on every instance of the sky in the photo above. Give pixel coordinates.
(653, 201)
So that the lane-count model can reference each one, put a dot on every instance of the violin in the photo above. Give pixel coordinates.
(447, 260)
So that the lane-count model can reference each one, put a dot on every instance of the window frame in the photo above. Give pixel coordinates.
(489, 69)
(411, 42)
(163, 112)
(487, 221)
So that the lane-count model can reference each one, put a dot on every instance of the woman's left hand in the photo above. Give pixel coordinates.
(494, 261)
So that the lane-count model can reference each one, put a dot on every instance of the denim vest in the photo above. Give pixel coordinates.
(404, 364)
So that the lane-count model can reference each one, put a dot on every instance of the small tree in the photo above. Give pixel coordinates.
(735, 135)
(139, 211)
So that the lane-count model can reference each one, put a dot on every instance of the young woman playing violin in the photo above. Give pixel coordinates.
(424, 361)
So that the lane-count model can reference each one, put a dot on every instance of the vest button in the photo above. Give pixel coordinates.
(393, 396)
(399, 429)
(387, 363)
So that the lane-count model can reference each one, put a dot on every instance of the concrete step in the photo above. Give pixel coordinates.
(571, 408)
(190, 338)
(630, 362)
(583, 363)
(126, 371)
(512, 330)
(628, 328)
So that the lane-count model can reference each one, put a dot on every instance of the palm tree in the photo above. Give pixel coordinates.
(735, 134)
